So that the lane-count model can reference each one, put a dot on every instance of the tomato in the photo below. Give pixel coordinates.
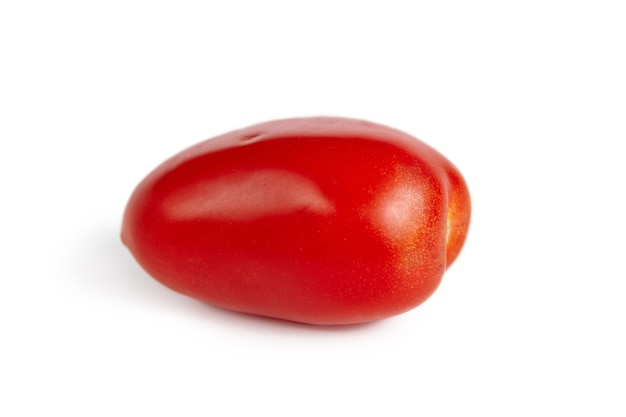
(316, 220)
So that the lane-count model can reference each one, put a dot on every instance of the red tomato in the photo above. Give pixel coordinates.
(316, 220)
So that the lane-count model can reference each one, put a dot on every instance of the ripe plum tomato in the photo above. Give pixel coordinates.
(317, 220)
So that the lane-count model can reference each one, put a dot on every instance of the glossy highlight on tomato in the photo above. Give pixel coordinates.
(319, 220)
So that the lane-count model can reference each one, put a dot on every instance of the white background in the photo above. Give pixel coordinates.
(527, 98)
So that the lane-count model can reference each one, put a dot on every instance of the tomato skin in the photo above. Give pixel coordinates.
(316, 220)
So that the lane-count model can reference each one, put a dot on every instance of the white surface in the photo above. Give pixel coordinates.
(526, 98)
